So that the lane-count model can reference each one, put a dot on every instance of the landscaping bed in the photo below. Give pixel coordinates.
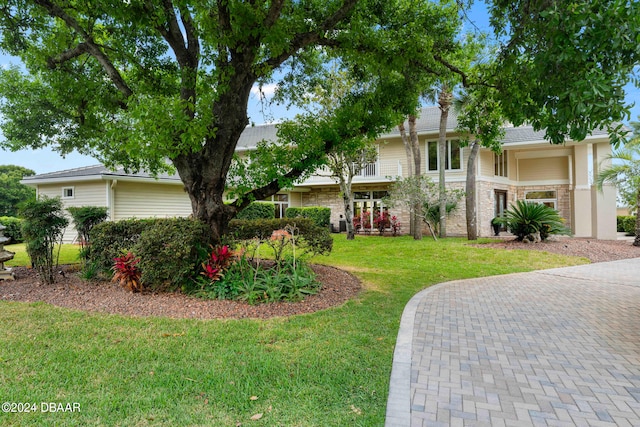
(70, 291)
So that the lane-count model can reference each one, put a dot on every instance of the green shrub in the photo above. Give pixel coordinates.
(84, 219)
(321, 216)
(314, 239)
(43, 226)
(171, 251)
(627, 224)
(526, 218)
(258, 210)
(13, 228)
(112, 239)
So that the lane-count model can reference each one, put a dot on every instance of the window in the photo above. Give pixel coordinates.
(282, 203)
(500, 164)
(68, 193)
(368, 204)
(453, 161)
(549, 198)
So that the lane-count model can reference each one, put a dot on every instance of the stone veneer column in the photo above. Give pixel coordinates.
(581, 201)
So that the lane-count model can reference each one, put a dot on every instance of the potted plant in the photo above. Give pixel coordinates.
(496, 223)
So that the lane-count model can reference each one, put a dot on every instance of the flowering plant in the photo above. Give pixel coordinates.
(126, 272)
(220, 259)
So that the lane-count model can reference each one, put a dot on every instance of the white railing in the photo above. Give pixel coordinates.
(380, 171)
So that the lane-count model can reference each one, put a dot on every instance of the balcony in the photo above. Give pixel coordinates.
(380, 171)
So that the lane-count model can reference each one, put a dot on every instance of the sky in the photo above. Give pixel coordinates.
(47, 160)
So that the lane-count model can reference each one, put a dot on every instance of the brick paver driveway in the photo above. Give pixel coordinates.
(557, 347)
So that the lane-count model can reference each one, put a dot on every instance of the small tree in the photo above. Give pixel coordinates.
(421, 191)
(42, 228)
(84, 219)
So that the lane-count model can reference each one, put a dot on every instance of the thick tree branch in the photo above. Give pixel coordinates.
(453, 68)
(67, 55)
(92, 47)
(303, 40)
(274, 13)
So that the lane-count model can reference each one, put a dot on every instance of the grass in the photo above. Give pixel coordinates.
(329, 368)
(69, 254)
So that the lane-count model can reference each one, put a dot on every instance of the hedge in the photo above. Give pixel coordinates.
(170, 252)
(112, 239)
(316, 240)
(258, 210)
(627, 224)
(170, 249)
(13, 229)
(321, 216)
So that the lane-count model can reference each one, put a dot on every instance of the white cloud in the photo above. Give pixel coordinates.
(264, 91)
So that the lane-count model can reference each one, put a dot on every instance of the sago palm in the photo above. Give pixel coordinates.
(624, 173)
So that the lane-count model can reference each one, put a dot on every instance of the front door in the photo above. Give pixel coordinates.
(501, 203)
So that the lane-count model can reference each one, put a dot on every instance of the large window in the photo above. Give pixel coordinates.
(500, 164)
(367, 204)
(453, 160)
(549, 198)
(282, 203)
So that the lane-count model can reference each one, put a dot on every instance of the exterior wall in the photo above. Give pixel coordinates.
(148, 200)
(92, 193)
(543, 169)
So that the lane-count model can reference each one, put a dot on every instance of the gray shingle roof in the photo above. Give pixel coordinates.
(97, 171)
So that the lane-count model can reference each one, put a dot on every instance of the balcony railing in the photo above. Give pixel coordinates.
(380, 171)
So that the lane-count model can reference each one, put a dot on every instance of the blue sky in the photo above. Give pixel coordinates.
(47, 160)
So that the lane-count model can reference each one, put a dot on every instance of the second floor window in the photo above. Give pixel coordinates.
(453, 159)
(500, 164)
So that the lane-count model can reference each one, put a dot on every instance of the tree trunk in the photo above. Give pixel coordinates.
(470, 192)
(204, 173)
(415, 151)
(444, 100)
(636, 241)
(410, 163)
(347, 199)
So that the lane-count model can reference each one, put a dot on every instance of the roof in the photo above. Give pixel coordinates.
(97, 172)
(428, 122)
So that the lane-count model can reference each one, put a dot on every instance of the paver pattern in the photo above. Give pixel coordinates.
(557, 347)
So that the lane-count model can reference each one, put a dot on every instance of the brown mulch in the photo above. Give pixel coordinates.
(338, 286)
(70, 291)
(593, 250)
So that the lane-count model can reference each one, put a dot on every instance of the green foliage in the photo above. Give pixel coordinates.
(84, 219)
(113, 238)
(527, 218)
(563, 65)
(626, 224)
(258, 210)
(14, 228)
(313, 239)
(321, 216)
(170, 252)
(12, 192)
(43, 227)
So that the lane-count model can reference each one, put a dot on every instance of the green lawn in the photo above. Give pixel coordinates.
(69, 254)
(330, 368)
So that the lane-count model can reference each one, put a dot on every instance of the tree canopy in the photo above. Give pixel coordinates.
(12, 192)
(135, 83)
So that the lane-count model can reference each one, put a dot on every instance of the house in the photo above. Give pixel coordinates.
(529, 168)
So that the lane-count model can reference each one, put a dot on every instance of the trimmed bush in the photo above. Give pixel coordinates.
(316, 240)
(85, 218)
(321, 216)
(171, 251)
(258, 210)
(113, 239)
(13, 229)
(625, 223)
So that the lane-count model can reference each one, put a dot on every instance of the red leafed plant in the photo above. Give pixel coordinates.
(127, 273)
(220, 259)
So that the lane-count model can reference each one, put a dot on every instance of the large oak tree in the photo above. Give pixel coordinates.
(138, 82)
